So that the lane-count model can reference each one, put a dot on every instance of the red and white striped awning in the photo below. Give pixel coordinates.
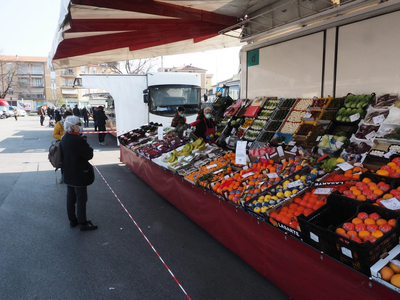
(96, 31)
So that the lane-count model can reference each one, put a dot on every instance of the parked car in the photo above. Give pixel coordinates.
(8, 109)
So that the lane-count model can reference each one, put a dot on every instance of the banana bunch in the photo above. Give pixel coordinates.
(186, 150)
(173, 157)
(198, 144)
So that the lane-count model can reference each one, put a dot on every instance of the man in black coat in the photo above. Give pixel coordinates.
(76, 154)
(101, 123)
(76, 111)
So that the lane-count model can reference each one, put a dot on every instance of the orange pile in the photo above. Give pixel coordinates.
(367, 189)
(307, 203)
(391, 273)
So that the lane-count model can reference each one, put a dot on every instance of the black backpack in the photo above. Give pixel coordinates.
(55, 154)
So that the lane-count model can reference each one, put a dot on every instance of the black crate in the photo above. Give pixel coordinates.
(335, 212)
(377, 178)
(361, 256)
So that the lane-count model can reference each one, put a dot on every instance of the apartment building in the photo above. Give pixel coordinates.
(27, 82)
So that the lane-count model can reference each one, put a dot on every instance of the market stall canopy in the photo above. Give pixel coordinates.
(96, 31)
(99, 31)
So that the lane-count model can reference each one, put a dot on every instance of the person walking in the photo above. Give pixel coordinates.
(76, 155)
(101, 124)
(41, 114)
(58, 133)
(15, 113)
(94, 111)
(76, 111)
(85, 115)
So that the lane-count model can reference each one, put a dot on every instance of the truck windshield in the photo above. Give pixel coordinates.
(165, 99)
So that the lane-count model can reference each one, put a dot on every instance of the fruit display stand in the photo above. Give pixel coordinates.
(282, 259)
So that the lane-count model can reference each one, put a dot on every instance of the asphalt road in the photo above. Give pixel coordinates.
(41, 257)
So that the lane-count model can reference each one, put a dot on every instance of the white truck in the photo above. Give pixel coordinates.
(153, 97)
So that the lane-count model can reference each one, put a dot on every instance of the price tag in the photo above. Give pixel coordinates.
(318, 138)
(345, 166)
(294, 149)
(339, 144)
(241, 152)
(219, 171)
(307, 115)
(354, 117)
(378, 119)
(294, 183)
(211, 155)
(272, 175)
(247, 174)
(211, 166)
(347, 252)
(323, 191)
(391, 203)
(370, 135)
(160, 133)
(314, 237)
(280, 151)
(267, 156)
(389, 154)
(292, 143)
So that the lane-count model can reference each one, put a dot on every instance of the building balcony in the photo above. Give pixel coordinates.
(68, 74)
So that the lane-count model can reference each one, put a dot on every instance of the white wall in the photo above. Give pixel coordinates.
(360, 57)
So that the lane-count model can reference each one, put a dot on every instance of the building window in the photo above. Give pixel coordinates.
(83, 70)
(103, 71)
(90, 70)
(64, 83)
(70, 71)
(37, 82)
(94, 70)
(37, 69)
(70, 82)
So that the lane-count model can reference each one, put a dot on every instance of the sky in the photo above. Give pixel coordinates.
(30, 27)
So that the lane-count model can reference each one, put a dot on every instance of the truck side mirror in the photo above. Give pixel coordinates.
(146, 96)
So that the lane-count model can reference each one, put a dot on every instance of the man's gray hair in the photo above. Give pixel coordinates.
(70, 120)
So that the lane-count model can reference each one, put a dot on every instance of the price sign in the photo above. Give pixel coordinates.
(294, 149)
(389, 154)
(339, 144)
(272, 175)
(370, 135)
(160, 133)
(292, 143)
(308, 115)
(294, 183)
(391, 203)
(323, 191)
(241, 152)
(219, 171)
(345, 166)
(280, 151)
(378, 119)
(247, 174)
(318, 138)
(354, 117)
(211, 166)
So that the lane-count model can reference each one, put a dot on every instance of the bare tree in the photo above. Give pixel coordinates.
(57, 101)
(8, 78)
(137, 66)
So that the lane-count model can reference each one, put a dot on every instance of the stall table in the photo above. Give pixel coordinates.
(299, 270)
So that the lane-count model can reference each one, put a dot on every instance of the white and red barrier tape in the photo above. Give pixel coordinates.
(84, 132)
(130, 216)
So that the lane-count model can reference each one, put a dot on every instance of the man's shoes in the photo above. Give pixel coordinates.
(73, 224)
(103, 143)
(61, 180)
(88, 226)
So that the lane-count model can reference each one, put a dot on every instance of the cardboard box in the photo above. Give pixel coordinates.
(375, 274)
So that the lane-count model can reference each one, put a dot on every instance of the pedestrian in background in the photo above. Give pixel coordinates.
(41, 114)
(58, 133)
(101, 124)
(94, 111)
(76, 155)
(85, 115)
(15, 113)
(76, 111)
